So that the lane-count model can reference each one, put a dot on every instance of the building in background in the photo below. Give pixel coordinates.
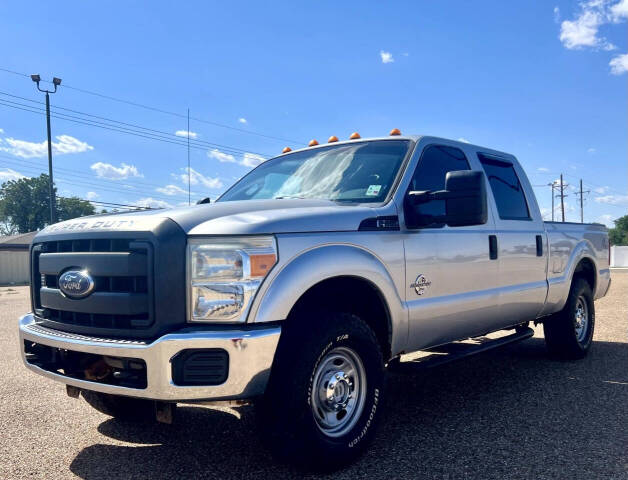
(14, 259)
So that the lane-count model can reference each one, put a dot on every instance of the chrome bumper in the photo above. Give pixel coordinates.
(251, 354)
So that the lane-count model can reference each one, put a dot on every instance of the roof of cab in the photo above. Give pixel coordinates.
(415, 138)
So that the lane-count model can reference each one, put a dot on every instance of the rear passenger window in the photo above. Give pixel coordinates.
(507, 190)
(430, 174)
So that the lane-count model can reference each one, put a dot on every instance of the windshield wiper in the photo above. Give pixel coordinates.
(288, 197)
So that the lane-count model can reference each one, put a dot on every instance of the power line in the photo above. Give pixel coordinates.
(124, 124)
(158, 135)
(144, 188)
(166, 112)
(88, 185)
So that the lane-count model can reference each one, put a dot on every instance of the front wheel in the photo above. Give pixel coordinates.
(325, 392)
(569, 333)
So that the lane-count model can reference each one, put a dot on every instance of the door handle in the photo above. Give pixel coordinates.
(539, 246)
(492, 247)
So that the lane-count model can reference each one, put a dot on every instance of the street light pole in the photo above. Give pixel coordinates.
(53, 203)
(56, 82)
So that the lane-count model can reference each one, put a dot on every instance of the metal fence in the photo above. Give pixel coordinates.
(619, 256)
(14, 265)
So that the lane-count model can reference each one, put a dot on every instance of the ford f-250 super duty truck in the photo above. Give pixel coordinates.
(303, 282)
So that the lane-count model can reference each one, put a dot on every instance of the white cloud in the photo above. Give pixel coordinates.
(91, 195)
(150, 202)
(7, 174)
(619, 64)
(386, 57)
(619, 10)
(463, 140)
(556, 14)
(591, 150)
(583, 30)
(248, 160)
(601, 190)
(21, 148)
(197, 178)
(221, 156)
(186, 133)
(172, 190)
(124, 171)
(242, 120)
(543, 169)
(606, 219)
(613, 199)
(1, 130)
(251, 160)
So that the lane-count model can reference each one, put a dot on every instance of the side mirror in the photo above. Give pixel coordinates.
(464, 196)
(467, 202)
(203, 200)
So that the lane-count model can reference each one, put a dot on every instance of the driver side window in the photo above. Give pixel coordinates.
(435, 162)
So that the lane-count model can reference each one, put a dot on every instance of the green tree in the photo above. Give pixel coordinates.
(619, 234)
(24, 205)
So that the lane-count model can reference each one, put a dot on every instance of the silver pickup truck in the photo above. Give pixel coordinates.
(303, 282)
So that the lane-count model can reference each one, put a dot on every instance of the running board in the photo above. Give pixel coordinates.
(451, 352)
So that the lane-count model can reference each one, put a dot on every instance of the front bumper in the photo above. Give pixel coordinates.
(251, 354)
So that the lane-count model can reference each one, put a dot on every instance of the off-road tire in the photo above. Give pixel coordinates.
(123, 408)
(286, 412)
(560, 330)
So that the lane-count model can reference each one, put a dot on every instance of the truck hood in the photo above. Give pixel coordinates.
(237, 218)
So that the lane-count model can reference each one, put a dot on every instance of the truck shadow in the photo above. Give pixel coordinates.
(509, 413)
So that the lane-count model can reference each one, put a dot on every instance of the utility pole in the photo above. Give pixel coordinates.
(581, 204)
(53, 204)
(582, 192)
(562, 197)
(553, 185)
(189, 174)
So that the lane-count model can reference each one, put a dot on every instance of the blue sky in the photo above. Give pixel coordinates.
(545, 81)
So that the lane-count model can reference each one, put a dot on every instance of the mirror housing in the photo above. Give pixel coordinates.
(464, 196)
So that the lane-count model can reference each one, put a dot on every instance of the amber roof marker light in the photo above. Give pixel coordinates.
(332, 139)
(312, 143)
(286, 150)
(354, 136)
(395, 131)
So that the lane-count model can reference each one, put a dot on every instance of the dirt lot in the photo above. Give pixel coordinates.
(511, 413)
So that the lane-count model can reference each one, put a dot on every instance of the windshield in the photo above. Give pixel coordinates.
(355, 172)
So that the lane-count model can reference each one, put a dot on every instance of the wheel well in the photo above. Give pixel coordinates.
(586, 270)
(351, 295)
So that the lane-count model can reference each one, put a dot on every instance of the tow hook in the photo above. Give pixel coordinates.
(164, 412)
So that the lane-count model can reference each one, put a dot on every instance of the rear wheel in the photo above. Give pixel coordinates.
(124, 408)
(569, 333)
(325, 391)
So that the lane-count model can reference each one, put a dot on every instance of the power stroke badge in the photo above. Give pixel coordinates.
(421, 284)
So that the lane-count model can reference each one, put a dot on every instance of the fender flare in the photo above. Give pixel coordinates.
(310, 267)
(559, 286)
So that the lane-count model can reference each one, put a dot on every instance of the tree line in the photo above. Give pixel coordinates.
(25, 205)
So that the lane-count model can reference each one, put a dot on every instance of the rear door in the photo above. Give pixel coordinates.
(451, 281)
(521, 240)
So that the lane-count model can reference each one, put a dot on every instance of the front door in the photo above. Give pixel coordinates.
(452, 282)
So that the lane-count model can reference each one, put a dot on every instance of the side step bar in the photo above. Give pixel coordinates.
(456, 351)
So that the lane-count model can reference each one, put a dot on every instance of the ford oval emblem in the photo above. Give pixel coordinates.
(76, 283)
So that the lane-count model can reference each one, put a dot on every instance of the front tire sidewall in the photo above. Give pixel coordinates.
(287, 418)
(361, 431)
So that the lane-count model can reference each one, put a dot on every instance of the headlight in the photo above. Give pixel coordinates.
(224, 275)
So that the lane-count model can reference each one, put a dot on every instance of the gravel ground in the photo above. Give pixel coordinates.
(511, 413)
